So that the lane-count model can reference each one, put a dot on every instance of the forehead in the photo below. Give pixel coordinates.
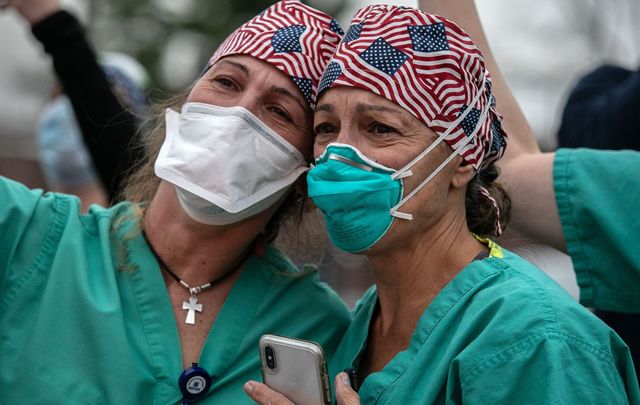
(339, 97)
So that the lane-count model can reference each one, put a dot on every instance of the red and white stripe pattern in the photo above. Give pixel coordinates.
(427, 65)
(295, 38)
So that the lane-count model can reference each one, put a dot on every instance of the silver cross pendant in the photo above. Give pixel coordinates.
(192, 306)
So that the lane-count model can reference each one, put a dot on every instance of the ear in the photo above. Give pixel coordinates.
(463, 174)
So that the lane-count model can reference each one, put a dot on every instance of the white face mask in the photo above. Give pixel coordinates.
(226, 164)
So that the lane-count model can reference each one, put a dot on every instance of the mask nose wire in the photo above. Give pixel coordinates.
(394, 211)
(405, 170)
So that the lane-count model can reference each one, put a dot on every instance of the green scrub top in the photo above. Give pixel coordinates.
(85, 316)
(598, 198)
(501, 332)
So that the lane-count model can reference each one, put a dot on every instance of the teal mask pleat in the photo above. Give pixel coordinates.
(356, 202)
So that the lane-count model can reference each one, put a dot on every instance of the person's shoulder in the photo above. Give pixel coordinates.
(521, 303)
(520, 316)
(19, 200)
(113, 217)
(32, 217)
(518, 286)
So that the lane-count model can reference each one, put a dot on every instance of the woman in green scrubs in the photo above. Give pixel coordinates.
(112, 306)
(406, 139)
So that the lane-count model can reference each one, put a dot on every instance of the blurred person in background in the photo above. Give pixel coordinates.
(163, 298)
(601, 111)
(25, 82)
(66, 162)
(453, 316)
(108, 100)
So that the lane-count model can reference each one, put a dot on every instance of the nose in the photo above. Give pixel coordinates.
(250, 100)
(348, 135)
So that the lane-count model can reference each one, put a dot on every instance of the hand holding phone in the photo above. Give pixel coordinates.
(295, 368)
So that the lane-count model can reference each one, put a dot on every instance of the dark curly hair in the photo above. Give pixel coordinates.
(487, 204)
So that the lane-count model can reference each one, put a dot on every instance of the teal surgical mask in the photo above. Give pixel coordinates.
(360, 198)
(355, 194)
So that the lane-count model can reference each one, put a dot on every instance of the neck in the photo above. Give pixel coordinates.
(197, 253)
(428, 261)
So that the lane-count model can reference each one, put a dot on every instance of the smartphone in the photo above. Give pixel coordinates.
(295, 368)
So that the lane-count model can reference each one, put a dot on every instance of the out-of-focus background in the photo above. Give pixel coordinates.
(543, 47)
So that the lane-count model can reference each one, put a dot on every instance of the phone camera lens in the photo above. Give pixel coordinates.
(270, 356)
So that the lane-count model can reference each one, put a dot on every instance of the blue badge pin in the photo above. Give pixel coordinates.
(194, 383)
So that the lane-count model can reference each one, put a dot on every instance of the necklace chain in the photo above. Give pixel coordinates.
(192, 306)
(194, 291)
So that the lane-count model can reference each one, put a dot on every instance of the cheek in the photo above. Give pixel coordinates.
(197, 92)
(301, 141)
(318, 149)
(431, 198)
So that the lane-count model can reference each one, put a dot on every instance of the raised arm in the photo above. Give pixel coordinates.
(107, 126)
(526, 173)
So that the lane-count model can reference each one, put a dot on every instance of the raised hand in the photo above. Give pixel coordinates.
(34, 10)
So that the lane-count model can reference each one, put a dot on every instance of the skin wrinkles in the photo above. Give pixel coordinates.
(274, 89)
(373, 127)
(287, 93)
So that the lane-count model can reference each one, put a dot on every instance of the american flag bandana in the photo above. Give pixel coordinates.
(293, 37)
(430, 67)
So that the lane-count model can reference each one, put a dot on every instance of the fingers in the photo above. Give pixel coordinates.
(264, 395)
(345, 395)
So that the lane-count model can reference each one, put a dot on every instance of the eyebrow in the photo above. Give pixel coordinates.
(325, 107)
(361, 107)
(287, 93)
(240, 66)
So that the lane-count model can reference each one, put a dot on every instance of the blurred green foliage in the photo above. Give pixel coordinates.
(145, 28)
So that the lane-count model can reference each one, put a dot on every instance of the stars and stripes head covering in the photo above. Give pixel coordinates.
(293, 37)
(430, 67)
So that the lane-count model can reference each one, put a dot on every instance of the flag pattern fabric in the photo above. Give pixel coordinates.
(295, 38)
(427, 65)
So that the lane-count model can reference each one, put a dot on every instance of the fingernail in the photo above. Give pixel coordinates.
(344, 378)
(248, 387)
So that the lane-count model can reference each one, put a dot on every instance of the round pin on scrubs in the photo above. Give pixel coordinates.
(194, 383)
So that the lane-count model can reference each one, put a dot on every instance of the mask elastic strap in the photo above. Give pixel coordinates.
(405, 170)
(394, 211)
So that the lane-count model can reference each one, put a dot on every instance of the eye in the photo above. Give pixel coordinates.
(324, 128)
(381, 129)
(280, 112)
(226, 82)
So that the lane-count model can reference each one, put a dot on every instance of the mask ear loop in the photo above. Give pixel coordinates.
(394, 211)
(404, 171)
